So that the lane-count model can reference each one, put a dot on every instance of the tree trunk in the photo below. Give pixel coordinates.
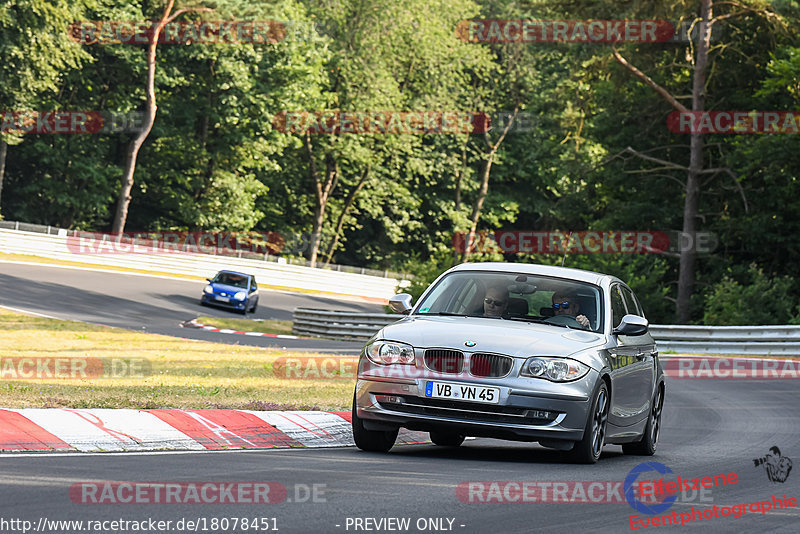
(323, 190)
(124, 198)
(477, 206)
(3, 152)
(686, 275)
(348, 203)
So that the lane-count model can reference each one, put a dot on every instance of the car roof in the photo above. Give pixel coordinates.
(234, 272)
(535, 268)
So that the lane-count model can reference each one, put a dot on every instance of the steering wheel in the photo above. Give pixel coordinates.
(567, 320)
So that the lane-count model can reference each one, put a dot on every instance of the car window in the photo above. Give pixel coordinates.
(525, 296)
(231, 279)
(253, 285)
(630, 301)
(617, 306)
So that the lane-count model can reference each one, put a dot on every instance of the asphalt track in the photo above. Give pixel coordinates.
(154, 304)
(710, 427)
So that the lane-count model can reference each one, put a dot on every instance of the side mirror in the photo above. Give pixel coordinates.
(401, 303)
(208, 279)
(632, 325)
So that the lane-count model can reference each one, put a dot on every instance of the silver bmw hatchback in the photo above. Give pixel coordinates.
(536, 353)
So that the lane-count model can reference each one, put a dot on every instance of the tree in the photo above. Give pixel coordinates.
(35, 50)
(697, 166)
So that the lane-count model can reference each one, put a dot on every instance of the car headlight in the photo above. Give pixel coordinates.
(554, 369)
(240, 295)
(389, 352)
(208, 289)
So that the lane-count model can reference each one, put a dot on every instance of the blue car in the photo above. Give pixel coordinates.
(233, 290)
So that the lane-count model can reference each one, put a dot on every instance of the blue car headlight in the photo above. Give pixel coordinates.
(240, 295)
(208, 289)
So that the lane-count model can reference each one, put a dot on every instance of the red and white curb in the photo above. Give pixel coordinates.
(194, 324)
(115, 430)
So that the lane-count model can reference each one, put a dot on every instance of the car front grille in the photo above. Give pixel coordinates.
(490, 365)
(444, 361)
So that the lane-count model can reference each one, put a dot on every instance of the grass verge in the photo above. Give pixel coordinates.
(248, 325)
(179, 373)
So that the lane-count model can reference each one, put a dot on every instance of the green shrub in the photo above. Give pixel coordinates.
(758, 300)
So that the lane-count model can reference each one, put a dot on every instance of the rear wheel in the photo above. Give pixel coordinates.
(587, 450)
(447, 439)
(647, 445)
(371, 440)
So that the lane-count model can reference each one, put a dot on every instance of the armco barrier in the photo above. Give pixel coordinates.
(54, 245)
(339, 325)
(748, 340)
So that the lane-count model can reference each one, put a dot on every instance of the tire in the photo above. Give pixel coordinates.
(588, 450)
(371, 440)
(649, 442)
(446, 439)
(255, 307)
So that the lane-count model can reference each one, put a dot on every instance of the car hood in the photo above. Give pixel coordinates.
(514, 338)
(226, 288)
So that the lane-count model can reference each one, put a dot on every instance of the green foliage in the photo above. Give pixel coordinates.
(757, 300)
(215, 162)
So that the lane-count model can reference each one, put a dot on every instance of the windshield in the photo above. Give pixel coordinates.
(230, 279)
(516, 296)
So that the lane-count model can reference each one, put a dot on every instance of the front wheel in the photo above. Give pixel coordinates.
(587, 450)
(647, 445)
(446, 439)
(371, 440)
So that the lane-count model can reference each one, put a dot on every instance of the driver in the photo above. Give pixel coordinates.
(495, 301)
(567, 304)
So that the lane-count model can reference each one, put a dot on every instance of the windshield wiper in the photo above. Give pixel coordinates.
(535, 320)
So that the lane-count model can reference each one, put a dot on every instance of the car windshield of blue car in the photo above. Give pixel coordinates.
(230, 279)
(515, 296)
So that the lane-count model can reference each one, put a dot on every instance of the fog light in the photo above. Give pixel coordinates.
(389, 399)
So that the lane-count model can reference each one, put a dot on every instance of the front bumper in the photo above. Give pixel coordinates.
(232, 304)
(524, 414)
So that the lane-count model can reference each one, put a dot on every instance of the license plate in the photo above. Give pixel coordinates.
(223, 299)
(451, 390)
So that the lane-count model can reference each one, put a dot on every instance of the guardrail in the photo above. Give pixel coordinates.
(747, 340)
(53, 244)
(282, 259)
